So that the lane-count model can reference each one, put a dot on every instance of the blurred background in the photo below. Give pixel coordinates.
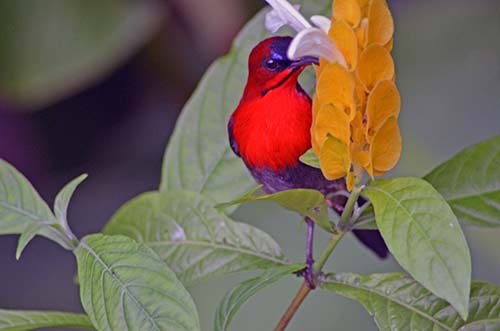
(96, 86)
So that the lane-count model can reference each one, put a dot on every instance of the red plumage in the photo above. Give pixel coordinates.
(273, 130)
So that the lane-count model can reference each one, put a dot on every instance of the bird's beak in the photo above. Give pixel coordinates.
(304, 61)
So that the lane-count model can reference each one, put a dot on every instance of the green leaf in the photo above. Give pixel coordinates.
(238, 296)
(193, 238)
(470, 181)
(21, 207)
(306, 202)
(398, 302)
(310, 158)
(28, 234)
(126, 286)
(198, 157)
(54, 48)
(63, 198)
(222, 207)
(21, 320)
(424, 236)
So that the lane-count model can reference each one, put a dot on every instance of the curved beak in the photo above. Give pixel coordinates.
(304, 61)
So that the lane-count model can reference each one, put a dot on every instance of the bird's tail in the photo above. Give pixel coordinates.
(374, 241)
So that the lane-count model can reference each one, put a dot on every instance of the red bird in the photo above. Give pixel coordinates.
(271, 128)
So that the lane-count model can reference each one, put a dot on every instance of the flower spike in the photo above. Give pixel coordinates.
(356, 104)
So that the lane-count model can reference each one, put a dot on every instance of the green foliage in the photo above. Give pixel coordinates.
(126, 286)
(398, 302)
(424, 235)
(470, 181)
(308, 203)
(22, 209)
(63, 198)
(14, 320)
(198, 156)
(193, 238)
(239, 295)
(310, 158)
(54, 47)
(26, 236)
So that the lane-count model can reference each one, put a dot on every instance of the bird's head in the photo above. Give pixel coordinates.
(270, 68)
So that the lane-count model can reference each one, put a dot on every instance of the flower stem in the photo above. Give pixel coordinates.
(334, 240)
(346, 216)
(304, 290)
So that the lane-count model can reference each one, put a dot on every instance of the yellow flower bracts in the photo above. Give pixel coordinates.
(357, 104)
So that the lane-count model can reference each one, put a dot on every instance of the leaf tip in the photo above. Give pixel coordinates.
(19, 250)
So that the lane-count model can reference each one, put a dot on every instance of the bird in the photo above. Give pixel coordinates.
(270, 130)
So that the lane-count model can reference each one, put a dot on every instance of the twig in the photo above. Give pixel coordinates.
(304, 291)
(294, 306)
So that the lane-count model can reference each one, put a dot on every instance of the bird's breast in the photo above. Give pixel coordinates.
(273, 131)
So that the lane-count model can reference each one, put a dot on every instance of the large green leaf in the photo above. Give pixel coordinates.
(424, 236)
(470, 181)
(399, 303)
(22, 208)
(195, 240)
(306, 202)
(239, 295)
(198, 156)
(125, 285)
(52, 48)
(24, 320)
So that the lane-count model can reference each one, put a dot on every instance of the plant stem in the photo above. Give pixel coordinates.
(294, 306)
(65, 234)
(334, 240)
(346, 216)
(304, 290)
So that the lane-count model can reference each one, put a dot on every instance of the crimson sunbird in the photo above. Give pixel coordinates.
(271, 128)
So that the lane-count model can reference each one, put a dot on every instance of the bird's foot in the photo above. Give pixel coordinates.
(309, 274)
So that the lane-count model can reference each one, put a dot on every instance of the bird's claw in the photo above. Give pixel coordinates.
(308, 274)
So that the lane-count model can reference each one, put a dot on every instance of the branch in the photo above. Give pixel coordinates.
(345, 219)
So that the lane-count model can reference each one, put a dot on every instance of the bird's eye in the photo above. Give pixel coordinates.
(271, 64)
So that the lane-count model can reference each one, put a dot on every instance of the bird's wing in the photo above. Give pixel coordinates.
(232, 141)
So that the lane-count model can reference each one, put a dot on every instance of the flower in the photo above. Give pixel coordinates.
(356, 104)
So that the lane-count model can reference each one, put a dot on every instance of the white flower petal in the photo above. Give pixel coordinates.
(322, 22)
(274, 21)
(315, 42)
(285, 14)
